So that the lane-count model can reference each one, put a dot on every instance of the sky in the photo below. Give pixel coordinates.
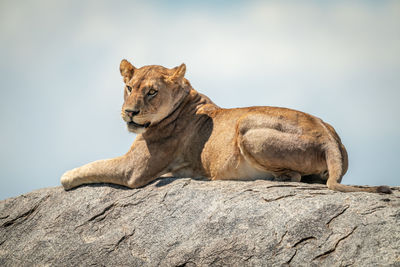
(61, 91)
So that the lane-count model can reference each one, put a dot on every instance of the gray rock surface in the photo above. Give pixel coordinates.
(185, 222)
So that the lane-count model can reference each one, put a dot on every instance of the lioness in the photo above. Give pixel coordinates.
(183, 133)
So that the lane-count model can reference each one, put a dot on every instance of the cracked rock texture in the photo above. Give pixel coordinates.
(185, 222)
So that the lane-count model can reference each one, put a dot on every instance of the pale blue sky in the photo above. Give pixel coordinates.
(60, 89)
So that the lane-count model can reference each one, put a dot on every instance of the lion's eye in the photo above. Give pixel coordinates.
(152, 92)
(129, 88)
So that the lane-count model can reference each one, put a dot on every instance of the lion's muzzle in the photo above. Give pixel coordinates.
(137, 125)
(130, 113)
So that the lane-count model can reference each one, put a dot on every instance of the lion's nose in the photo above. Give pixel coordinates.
(131, 112)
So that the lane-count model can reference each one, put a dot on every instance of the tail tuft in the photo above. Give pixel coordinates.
(384, 189)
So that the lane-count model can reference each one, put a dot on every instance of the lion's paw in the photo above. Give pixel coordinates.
(66, 180)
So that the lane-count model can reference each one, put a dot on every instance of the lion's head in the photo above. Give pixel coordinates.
(151, 93)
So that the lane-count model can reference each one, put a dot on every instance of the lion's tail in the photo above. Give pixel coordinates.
(337, 162)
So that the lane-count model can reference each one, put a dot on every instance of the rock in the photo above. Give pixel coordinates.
(185, 222)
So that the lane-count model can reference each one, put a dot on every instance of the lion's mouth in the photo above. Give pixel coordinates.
(137, 125)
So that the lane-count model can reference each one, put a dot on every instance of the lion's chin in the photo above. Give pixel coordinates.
(137, 128)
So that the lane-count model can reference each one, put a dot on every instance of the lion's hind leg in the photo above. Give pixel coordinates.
(286, 155)
(291, 176)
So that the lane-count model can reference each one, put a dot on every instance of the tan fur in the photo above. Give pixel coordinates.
(183, 133)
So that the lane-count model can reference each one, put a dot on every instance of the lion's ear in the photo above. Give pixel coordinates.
(178, 74)
(127, 70)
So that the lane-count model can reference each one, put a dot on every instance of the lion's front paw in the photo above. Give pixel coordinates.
(66, 180)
